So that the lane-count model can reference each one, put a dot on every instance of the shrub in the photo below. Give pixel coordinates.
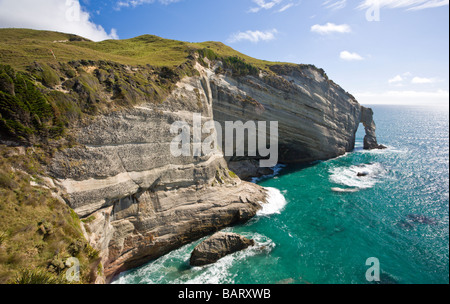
(36, 276)
(24, 111)
(239, 67)
(208, 53)
(6, 181)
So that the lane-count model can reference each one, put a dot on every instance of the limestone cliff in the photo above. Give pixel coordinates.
(142, 201)
(114, 167)
(317, 119)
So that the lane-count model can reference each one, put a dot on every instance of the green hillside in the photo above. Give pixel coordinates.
(20, 47)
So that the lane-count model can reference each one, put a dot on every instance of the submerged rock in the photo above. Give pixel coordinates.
(421, 219)
(387, 279)
(218, 246)
(412, 219)
(405, 225)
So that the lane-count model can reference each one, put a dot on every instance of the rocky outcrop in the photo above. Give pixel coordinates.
(218, 246)
(248, 169)
(317, 119)
(370, 140)
(106, 129)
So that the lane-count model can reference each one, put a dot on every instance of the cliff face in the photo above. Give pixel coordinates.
(143, 202)
(136, 199)
(317, 119)
(140, 200)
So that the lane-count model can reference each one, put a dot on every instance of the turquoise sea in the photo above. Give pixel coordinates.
(323, 222)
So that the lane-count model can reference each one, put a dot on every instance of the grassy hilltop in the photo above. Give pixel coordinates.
(21, 47)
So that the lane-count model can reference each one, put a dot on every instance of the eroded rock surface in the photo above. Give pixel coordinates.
(218, 246)
(370, 140)
(139, 200)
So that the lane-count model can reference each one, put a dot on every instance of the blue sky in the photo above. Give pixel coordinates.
(382, 51)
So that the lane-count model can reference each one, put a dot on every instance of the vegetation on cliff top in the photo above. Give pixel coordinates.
(38, 233)
(50, 81)
(21, 47)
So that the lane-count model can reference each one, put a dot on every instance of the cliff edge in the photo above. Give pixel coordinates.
(100, 122)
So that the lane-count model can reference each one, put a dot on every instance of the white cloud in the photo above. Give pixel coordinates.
(396, 79)
(253, 36)
(422, 80)
(54, 15)
(330, 28)
(438, 97)
(335, 4)
(134, 3)
(408, 4)
(347, 56)
(286, 7)
(263, 4)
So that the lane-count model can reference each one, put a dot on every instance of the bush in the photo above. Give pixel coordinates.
(208, 53)
(239, 67)
(36, 276)
(24, 111)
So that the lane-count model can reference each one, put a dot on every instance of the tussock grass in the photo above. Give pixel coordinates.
(37, 232)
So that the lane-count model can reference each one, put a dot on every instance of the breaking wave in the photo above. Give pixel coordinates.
(348, 176)
(174, 267)
(274, 204)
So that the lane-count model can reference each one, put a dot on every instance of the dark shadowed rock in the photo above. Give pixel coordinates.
(216, 247)
(370, 140)
(421, 219)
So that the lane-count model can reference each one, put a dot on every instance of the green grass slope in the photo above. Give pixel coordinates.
(21, 47)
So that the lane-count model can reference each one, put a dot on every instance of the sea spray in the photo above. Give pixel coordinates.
(173, 267)
(274, 204)
(219, 272)
(348, 176)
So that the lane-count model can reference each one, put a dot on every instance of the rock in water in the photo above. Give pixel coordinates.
(218, 246)
(370, 140)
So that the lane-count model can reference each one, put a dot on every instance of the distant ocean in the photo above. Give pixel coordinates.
(323, 221)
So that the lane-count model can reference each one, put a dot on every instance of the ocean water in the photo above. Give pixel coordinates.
(323, 221)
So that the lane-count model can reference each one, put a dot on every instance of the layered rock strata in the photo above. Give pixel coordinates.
(140, 202)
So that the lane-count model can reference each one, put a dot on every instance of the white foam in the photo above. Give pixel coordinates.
(389, 149)
(349, 190)
(218, 273)
(348, 176)
(274, 204)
